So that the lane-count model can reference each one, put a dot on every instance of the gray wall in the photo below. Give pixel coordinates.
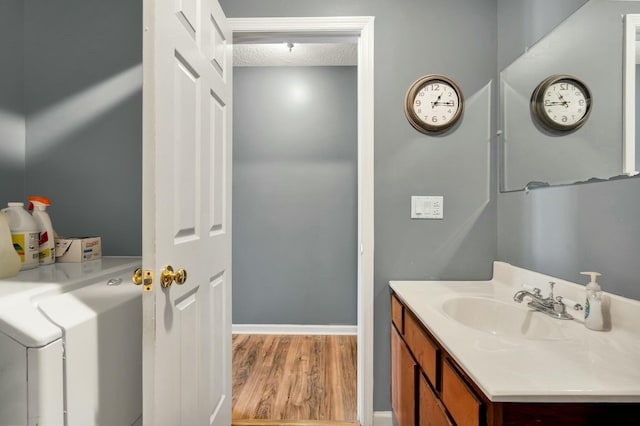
(12, 139)
(564, 230)
(295, 195)
(409, 43)
(81, 96)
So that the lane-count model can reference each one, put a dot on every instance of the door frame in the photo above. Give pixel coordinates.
(362, 28)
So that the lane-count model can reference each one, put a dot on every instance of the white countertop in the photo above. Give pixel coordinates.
(572, 364)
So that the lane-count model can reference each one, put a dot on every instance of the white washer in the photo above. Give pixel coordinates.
(71, 345)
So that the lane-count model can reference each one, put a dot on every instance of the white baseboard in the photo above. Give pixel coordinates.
(293, 329)
(382, 418)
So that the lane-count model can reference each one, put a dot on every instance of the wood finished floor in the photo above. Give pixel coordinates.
(294, 379)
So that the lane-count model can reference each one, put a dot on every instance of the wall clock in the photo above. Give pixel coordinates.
(433, 104)
(561, 103)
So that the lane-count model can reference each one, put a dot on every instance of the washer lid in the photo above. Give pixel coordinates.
(20, 296)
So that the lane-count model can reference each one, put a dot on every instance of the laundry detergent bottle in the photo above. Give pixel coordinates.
(24, 234)
(38, 206)
(9, 259)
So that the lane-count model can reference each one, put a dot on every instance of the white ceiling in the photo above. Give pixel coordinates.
(301, 54)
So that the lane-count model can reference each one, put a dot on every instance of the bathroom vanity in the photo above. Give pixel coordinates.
(465, 353)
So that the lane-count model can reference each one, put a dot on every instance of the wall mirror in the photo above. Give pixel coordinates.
(589, 44)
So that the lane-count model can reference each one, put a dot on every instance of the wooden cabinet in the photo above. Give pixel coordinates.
(428, 387)
(415, 372)
(403, 381)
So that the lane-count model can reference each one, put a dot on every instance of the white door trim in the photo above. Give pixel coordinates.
(362, 27)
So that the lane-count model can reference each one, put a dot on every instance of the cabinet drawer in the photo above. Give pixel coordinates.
(463, 405)
(424, 350)
(430, 411)
(397, 313)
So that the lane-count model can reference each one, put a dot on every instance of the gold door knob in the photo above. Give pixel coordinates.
(180, 276)
(168, 276)
(137, 276)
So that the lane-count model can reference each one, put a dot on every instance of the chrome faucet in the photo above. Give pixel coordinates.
(554, 307)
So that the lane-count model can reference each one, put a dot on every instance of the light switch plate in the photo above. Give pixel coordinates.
(427, 207)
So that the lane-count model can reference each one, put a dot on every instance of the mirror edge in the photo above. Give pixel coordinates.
(631, 28)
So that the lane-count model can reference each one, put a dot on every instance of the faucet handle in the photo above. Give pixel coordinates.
(551, 284)
(558, 305)
(537, 292)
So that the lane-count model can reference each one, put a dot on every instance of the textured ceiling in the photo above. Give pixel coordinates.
(303, 54)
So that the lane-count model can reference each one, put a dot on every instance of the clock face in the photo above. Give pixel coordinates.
(565, 103)
(436, 103)
(561, 103)
(433, 104)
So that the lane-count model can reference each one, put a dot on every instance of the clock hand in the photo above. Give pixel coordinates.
(437, 101)
(565, 103)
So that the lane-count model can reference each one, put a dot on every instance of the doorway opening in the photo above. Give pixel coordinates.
(361, 29)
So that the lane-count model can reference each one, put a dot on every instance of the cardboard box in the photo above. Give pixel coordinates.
(80, 249)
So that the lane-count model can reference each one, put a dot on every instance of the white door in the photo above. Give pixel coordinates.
(187, 212)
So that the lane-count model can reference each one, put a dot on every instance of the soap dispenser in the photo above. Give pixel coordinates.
(593, 316)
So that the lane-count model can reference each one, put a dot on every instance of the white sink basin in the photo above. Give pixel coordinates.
(502, 318)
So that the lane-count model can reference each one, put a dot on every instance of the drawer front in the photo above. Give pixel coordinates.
(463, 405)
(423, 348)
(397, 313)
(430, 411)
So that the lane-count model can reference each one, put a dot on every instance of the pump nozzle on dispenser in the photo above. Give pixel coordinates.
(594, 276)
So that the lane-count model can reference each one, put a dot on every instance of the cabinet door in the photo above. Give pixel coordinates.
(403, 381)
(430, 410)
(462, 403)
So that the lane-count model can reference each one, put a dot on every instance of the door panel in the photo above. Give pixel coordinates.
(218, 47)
(185, 168)
(187, 321)
(186, 13)
(186, 212)
(219, 355)
(218, 155)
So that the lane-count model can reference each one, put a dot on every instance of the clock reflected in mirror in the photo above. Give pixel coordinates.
(561, 104)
